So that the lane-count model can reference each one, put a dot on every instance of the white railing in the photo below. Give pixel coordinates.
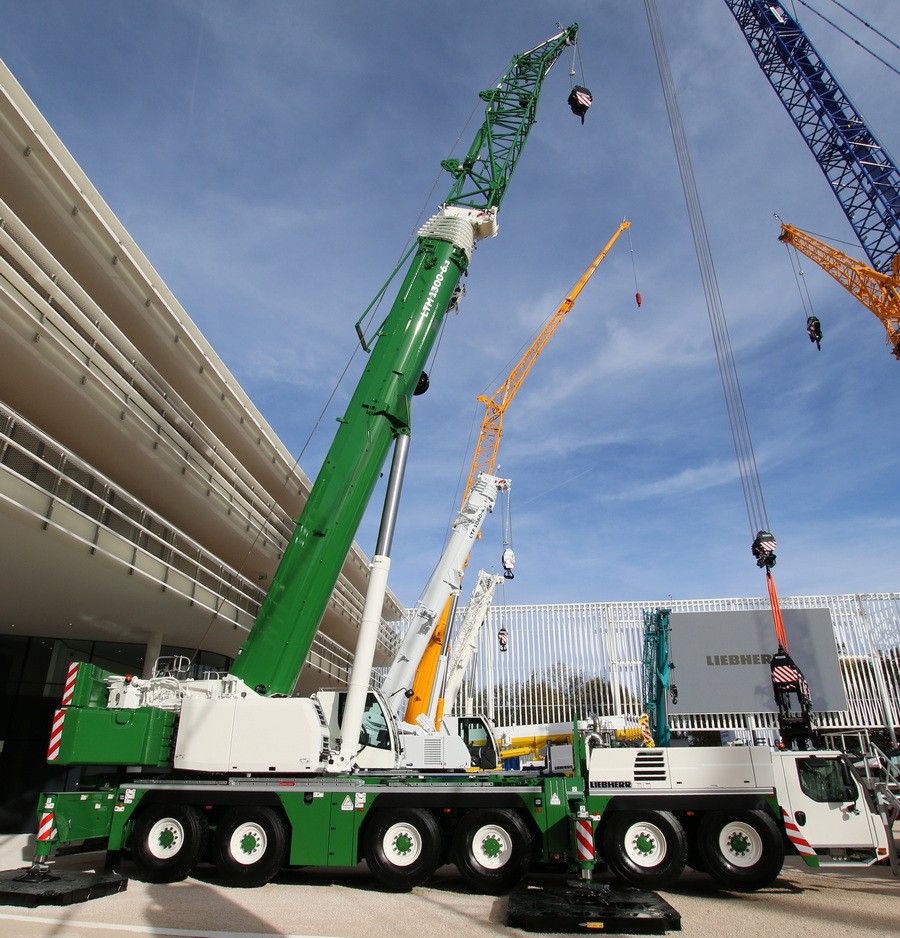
(578, 658)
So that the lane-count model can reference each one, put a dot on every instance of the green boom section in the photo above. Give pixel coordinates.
(483, 176)
(271, 658)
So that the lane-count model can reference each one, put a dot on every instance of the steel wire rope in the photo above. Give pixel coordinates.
(452, 516)
(734, 401)
(800, 279)
(867, 24)
(843, 32)
(637, 290)
(574, 54)
(501, 376)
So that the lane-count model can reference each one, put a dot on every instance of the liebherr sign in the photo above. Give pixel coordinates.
(722, 659)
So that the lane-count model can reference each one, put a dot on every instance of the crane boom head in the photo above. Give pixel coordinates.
(481, 179)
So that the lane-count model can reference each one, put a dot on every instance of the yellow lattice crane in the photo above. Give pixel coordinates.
(483, 461)
(875, 290)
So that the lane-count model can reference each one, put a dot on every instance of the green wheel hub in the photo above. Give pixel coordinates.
(645, 844)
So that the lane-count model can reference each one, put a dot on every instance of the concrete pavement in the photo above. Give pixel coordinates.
(347, 904)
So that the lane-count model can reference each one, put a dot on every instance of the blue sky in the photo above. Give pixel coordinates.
(272, 160)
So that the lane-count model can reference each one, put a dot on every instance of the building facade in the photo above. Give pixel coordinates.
(144, 501)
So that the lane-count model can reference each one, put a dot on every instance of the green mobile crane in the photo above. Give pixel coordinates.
(224, 730)
(234, 769)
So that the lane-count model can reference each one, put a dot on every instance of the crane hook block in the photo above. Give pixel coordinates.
(814, 331)
(638, 299)
(509, 561)
(764, 550)
(580, 99)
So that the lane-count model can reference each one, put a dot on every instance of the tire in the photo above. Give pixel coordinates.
(167, 841)
(403, 847)
(492, 849)
(742, 850)
(250, 846)
(647, 849)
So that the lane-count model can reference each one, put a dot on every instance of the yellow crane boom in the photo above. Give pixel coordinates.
(496, 404)
(484, 460)
(875, 290)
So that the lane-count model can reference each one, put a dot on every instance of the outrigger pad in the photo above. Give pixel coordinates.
(61, 887)
(586, 907)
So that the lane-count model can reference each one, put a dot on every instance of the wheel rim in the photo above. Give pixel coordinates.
(248, 843)
(165, 838)
(491, 847)
(645, 845)
(741, 844)
(402, 844)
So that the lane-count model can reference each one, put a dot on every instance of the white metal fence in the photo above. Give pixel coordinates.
(581, 658)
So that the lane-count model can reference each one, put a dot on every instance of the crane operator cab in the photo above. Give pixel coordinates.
(476, 733)
(374, 730)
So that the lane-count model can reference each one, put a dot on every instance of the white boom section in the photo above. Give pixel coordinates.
(467, 638)
(445, 581)
(358, 687)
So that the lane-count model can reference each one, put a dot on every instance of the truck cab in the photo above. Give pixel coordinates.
(822, 794)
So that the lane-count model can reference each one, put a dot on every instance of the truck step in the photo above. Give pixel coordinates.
(575, 907)
(61, 887)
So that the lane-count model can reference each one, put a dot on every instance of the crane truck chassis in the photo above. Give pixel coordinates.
(646, 814)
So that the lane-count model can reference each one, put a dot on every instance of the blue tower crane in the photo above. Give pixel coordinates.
(864, 178)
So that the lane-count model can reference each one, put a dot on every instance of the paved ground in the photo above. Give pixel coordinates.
(346, 904)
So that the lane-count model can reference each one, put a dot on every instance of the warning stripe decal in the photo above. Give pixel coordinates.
(804, 848)
(47, 826)
(69, 688)
(56, 735)
(584, 839)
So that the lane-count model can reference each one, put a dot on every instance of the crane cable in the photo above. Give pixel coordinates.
(813, 325)
(843, 32)
(763, 543)
(637, 289)
(573, 54)
(865, 23)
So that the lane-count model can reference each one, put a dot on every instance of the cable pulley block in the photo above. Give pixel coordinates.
(814, 330)
(764, 549)
(509, 561)
(579, 100)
